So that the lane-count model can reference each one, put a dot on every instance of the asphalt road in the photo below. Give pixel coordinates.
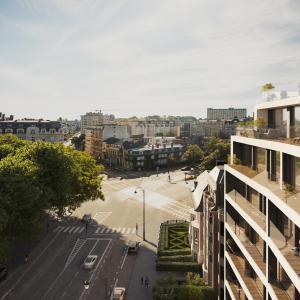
(55, 268)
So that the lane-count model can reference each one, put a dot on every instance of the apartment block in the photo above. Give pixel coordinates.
(91, 119)
(262, 206)
(93, 141)
(226, 113)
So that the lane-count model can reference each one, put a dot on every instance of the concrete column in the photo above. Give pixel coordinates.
(281, 172)
(288, 123)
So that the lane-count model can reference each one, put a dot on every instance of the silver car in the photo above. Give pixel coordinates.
(90, 261)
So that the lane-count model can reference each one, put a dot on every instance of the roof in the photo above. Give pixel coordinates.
(280, 103)
(149, 147)
(202, 180)
(215, 176)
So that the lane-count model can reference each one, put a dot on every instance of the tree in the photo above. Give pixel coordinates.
(78, 142)
(190, 292)
(267, 87)
(67, 177)
(215, 149)
(37, 177)
(193, 154)
(9, 144)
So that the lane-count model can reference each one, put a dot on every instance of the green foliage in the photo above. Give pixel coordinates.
(185, 258)
(36, 177)
(215, 149)
(190, 292)
(267, 87)
(178, 266)
(194, 279)
(174, 252)
(193, 154)
(78, 142)
(288, 187)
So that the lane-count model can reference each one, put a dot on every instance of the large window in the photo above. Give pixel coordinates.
(261, 160)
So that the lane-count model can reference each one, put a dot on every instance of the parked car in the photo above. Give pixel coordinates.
(87, 218)
(133, 246)
(3, 273)
(118, 293)
(185, 168)
(90, 261)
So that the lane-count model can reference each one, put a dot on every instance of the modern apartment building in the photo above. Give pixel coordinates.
(226, 113)
(262, 206)
(33, 130)
(91, 119)
(207, 227)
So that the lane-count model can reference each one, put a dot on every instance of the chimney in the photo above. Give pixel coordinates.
(11, 117)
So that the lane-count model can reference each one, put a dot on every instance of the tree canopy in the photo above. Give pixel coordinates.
(215, 149)
(267, 87)
(193, 154)
(36, 177)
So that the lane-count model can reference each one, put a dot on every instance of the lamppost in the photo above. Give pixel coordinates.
(144, 206)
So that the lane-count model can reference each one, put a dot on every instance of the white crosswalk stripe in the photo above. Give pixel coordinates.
(68, 229)
(121, 230)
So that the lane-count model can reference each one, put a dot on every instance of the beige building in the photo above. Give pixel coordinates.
(91, 119)
(93, 141)
(262, 206)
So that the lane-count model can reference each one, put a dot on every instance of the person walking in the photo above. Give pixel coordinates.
(136, 228)
(142, 281)
(169, 177)
(146, 281)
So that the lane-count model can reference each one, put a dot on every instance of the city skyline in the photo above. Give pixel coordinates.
(128, 57)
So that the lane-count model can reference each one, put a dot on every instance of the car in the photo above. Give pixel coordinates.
(185, 168)
(90, 261)
(132, 246)
(86, 218)
(118, 293)
(3, 273)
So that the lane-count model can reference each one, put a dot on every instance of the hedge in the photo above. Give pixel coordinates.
(186, 251)
(185, 258)
(178, 266)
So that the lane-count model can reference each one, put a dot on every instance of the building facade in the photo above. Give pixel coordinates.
(33, 130)
(262, 206)
(93, 141)
(91, 119)
(226, 113)
(152, 156)
(207, 227)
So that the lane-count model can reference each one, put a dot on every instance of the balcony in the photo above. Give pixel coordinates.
(279, 291)
(234, 289)
(250, 283)
(252, 250)
(257, 216)
(292, 199)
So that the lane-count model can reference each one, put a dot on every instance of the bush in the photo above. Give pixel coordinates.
(190, 292)
(183, 258)
(208, 293)
(178, 266)
(186, 251)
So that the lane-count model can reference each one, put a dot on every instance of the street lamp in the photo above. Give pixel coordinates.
(144, 203)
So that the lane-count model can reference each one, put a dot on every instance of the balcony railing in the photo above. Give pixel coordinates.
(255, 252)
(252, 211)
(240, 265)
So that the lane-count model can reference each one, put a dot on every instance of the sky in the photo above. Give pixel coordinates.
(141, 57)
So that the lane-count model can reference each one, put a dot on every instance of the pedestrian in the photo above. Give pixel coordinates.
(86, 227)
(26, 258)
(169, 177)
(146, 281)
(142, 281)
(136, 228)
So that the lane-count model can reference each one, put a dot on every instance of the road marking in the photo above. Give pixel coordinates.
(90, 279)
(123, 230)
(81, 230)
(76, 229)
(101, 216)
(128, 230)
(57, 228)
(78, 245)
(70, 231)
(67, 229)
(32, 263)
(124, 259)
(118, 230)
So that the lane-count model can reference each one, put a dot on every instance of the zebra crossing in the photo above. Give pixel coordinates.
(69, 229)
(115, 230)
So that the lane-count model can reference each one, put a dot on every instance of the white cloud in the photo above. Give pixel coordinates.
(136, 57)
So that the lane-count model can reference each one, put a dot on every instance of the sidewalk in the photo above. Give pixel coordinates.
(144, 266)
